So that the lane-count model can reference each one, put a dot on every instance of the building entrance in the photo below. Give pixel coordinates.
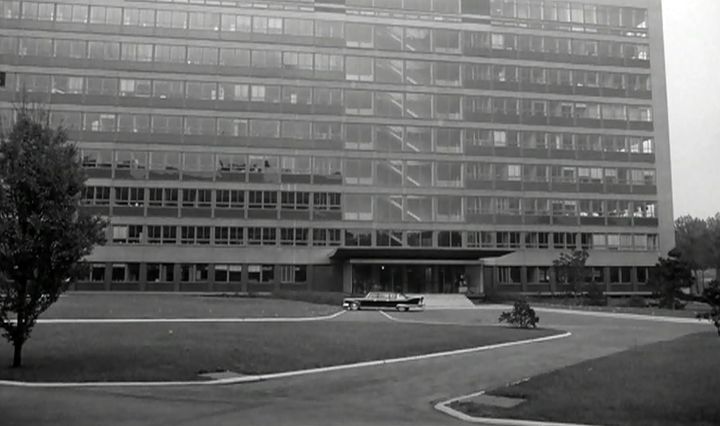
(411, 278)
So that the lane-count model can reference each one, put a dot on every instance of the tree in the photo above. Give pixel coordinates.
(43, 234)
(713, 225)
(711, 296)
(522, 315)
(570, 270)
(692, 240)
(668, 279)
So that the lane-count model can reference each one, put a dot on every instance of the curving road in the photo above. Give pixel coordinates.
(398, 394)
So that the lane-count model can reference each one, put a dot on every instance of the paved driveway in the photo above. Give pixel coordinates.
(396, 394)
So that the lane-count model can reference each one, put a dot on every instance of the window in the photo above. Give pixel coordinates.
(105, 15)
(127, 234)
(294, 236)
(71, 13)
(228, 273)
(166, 234)
(358, 207)
(125, 272)
(449, 239)
(194, 235)
(96, 196)
(136, 52)
(327, 237)
(201, 198)
(509, 275)
(292, 274)
(170, 54)
(160, 272)
(193, 272)
(202, 55)
(229, 235)
(295, 200)
(229, 199)
(96, 273)
(258, 236)
(261, 273)
(419, 238)
(358, 238)
(262, 200)
(129, 197)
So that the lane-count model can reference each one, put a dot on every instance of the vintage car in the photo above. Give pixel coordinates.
(384, 300)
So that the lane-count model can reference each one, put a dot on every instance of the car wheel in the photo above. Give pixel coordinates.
(398, 308)
(407, 308)
(355, 306)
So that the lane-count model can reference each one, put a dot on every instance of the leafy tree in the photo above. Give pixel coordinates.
(43, 234)
(668, 279)
(713, 224)
(711, 296)
(522, 315)
(692, 240)
(571, 271)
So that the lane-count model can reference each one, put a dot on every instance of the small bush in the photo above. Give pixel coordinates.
(595, 296)
(635, 302)
(522, 315)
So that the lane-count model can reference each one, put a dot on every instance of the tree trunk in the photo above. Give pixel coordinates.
(17, 356)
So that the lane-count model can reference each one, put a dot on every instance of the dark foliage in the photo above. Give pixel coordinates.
(711, 296)
(522, 315)
(669, 278)
(43, 234)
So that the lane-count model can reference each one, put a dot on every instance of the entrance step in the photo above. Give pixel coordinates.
(442, 301)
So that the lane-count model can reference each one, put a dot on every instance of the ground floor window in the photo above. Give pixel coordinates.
(290, 274)
(509, 275)
(160, 272)
(193, 272)
(125, 272)
(261, 273)
(228, 273)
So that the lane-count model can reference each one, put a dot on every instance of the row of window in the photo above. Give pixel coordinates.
(574, 13)
(480, 109)
(380, 70)
(271, 236)
(381, 138)
(194, 273)
(302, 58)
(513, 275)
(358, 206)
(357, 171)
(349, 34)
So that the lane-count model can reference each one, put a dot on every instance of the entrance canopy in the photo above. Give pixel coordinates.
(403, 253)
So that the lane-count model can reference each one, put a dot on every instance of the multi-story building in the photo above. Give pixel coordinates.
(240, 145)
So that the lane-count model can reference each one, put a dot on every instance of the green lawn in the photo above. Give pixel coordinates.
(139, 305)
(101, 352)
(666, 383)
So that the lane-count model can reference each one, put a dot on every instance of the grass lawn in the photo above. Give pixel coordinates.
(99, 352)
(666, 383)
(138, 305)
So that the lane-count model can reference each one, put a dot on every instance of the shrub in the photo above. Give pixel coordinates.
(635, 302)
(595, 296)
(711, 296)
(522, 315)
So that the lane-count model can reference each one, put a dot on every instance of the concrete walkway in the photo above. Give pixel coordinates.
(397, 394)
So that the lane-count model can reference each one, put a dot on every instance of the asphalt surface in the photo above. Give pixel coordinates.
(398, 394)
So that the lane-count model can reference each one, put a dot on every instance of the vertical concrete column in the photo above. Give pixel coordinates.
(243, 279)
(523, 277)
(211, 276)
(404, 277)
(553, 280)
(108, 276)
(633, 278)
(176, 276)
(435, 279)
(606, 277)
(310, 276)
(347, 277)
(143, 276)
(276, 277)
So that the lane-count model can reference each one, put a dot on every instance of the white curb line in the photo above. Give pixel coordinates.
(467, 324)
(445, 408)
(260, 377)
(183, 320)
(621, 315)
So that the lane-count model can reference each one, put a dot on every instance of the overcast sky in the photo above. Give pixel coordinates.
(692, 46)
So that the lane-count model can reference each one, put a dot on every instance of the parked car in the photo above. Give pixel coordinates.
(384, 300)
